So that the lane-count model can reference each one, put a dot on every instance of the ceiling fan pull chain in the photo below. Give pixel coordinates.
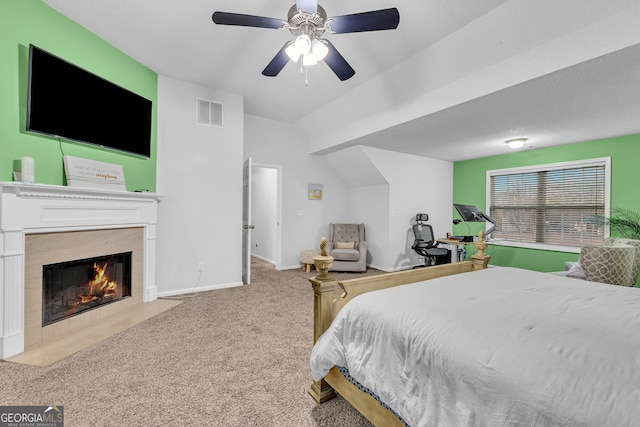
(306, 76)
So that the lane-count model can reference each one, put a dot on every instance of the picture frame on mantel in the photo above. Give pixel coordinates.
(87, 173)
(315, 191)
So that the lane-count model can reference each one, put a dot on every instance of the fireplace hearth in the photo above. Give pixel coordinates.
(73, 287)
(47, 224)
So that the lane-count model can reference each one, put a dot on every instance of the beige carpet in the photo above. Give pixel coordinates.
(231, 357)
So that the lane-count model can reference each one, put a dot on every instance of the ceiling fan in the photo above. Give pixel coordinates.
(308, 21)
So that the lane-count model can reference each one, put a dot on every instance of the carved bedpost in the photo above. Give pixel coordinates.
(480, 259)
(323, 290)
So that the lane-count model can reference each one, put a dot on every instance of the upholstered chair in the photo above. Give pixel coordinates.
(348, 247)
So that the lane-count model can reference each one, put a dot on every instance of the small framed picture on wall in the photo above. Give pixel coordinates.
(315, 191)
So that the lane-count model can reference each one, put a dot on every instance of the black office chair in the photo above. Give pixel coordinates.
(425, 243)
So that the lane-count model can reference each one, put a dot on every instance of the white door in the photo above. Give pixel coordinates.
(246, 222)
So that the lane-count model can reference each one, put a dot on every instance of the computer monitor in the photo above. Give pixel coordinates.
(469, 213)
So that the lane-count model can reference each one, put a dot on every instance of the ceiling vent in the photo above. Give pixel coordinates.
(208, 113)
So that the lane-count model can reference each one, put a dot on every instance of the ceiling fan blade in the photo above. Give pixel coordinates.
(337, 63)
(308, 6)
(278, 62)
(226, 18)
(385, 19)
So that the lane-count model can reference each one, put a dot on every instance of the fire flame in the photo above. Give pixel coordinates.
(100, 285)
(101, 281)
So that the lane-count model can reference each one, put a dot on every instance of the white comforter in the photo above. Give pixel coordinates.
(497, 347)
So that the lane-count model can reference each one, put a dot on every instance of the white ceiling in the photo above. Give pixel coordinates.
(561, 103)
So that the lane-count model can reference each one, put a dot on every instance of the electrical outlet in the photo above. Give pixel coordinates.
(201, 266)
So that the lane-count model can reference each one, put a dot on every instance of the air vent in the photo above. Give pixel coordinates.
(208, 113)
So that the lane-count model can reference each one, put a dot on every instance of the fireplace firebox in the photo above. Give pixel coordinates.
(72, 287)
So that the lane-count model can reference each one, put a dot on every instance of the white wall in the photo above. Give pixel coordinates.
(399, 186)
(199, 172)
(413, 184)
(416, 185)
(304, 221)
(370, 205)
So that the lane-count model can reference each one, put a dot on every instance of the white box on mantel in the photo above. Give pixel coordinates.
(87, 173)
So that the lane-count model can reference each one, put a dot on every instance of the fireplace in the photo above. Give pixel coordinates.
(73, 287)
(48, 224)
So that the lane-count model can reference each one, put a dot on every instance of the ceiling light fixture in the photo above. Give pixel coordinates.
(307, 27)
(311, 50)
(308, 22)
(516, 143)
(319, 50)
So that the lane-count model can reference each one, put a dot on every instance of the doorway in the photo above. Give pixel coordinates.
(266, 202)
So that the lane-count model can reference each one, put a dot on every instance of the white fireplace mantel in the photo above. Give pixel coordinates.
(39, 208)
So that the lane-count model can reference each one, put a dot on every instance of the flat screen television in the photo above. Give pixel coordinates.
(68, 102)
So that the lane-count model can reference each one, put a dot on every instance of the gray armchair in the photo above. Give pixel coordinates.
(348, 247)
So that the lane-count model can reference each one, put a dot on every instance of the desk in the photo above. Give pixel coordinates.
(455, 247)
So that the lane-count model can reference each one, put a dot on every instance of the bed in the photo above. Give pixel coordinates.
(458, 345)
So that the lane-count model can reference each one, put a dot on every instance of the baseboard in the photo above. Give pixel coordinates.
(199, 289)
(263, 258)
(291, 267)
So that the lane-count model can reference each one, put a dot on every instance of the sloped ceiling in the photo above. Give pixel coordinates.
(452, 82)
(355, 168)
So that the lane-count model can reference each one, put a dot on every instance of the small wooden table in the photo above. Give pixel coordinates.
(306, 258)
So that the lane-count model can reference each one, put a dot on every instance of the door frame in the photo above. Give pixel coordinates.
(246, 220)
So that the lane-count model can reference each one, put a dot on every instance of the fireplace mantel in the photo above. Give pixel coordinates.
(40, 208)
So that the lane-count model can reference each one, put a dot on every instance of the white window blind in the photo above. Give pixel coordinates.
(550, 204)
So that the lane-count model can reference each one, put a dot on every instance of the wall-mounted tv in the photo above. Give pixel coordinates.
(68, 102)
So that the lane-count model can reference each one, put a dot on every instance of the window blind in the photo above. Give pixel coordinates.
(553, 206)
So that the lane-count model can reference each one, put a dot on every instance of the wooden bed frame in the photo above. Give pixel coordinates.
(331, 295)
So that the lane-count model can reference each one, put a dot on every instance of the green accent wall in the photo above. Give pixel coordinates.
(469, 187)
(24, 22)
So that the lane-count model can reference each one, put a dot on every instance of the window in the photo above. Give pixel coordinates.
(550, 205)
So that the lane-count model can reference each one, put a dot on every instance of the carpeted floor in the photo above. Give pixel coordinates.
(231, 357)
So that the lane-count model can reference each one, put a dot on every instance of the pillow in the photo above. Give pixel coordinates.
(576, 271)
(617, 241)
(609, 264)
(345, 245)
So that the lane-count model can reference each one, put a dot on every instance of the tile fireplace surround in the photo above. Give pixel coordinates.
(27, 209)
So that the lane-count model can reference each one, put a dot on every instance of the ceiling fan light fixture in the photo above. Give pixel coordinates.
(292, 52)
(308, 22)
(303, 44)
(308, 60)
(319, 50)
(516, 143)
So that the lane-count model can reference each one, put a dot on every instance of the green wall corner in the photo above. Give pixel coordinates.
(24, 22)
(469, 187)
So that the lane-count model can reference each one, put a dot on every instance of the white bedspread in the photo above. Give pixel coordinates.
(498, 347)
